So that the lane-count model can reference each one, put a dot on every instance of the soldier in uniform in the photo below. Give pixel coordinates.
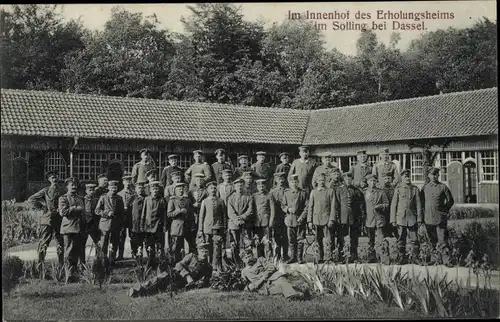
(170, 190)
(166, 174)
(151, 176)
(221, 165)
(336, 179)
(262, 170)
(277, 219)
(303, 167)
(137, 230)
(198, 167)
(363, 185)
(326, 168)
(249, 186)
(91, 226)
(102, 185)
(377, 205)
(180, 213)
(361, 169)
(72, 210)
(111, 209)
(197, 193)
(386, 167)
(350, 211)
(295, 206)
(321, 217)
(388, 188)
(437, 201)
(263, 205)
(406, 215)
(284, 166)
(212, 224)
(240, 214)
(192, 270)
(141, 168)
(226, 187)
(128, 195)
(50, 221)
(243, 167)
(154, 222)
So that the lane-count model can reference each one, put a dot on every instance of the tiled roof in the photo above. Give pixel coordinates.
(55, 114)
(448, 115)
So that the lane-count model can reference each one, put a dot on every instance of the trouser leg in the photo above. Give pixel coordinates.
(292, 242)
(301, 239)
(105, 238)
(248, 235)
(133, 243)
(371, 243)
(340, 231)
(191, 241)
(59, 245)
(282, 286)
(432, 233)
(121, 242)
(320, 239)
(46, 233)
(177, 245)
(442, 233)
(235, 241)
(217, 241)
(413, 237)
(151, 286)
(72, 249)
(259, 231)
(83, 243)
(402, 234)
(354, 232)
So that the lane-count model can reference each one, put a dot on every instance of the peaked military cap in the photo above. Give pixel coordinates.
(246, 172)
(434, 171)
(175, 173)
(239, 180)
(211, 183)
(303, 147)
(147, 151)
(179, 184)
(284, 153)
(294, 177)
(199, 175)
(203, 245)
(50, 174)
(102, 175)
(220, 151)
(243, 156)
(227, 171)
(261, 153)
(405, 172)
(90, 185)
(279, 174)
(361, 152)
(198, 152)
(151, 172)
(173, 156)
(154, 184)
(140, 183)
(127, 177)
(371, 176)
(72, 180)
(261, 181)
(347, 174)
(113, 183)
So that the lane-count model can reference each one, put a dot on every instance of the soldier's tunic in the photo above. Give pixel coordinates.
(154, 218)
(377, 205)
(72, 211)
(390, 230)
(406, 212)
(238, 172)
(182, 218)
(137, 230)
(241, 218)
(437, 201)
(170, 192)
(197, 194)
(381, 169)
(285, 168)
(263, 205)
(199, 270)
(99, 191)
(350, 211)
(218, 167)
(128, 196)
(50, 221)
(249, 189)
(195, 168)
(327, 171)
(166, 178)
(295, 206)
(140, 169)
(224, 190)
(213, 217)
(110, 226)
(305, 170)
(321, 214)
(91, 226)
(359, 171)
(263, 277)
(263, 171)
(277, 221)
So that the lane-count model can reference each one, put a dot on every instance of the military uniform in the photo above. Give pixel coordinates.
(137, 237)
(72, 210)
(295, 205)
(182, 218)
(377, 205)
(224, 190)
(384, 168)
(360, 170)
(140, 169)
(263, 205)
(91, 226)
(197, 194)
(99, 191)
(263, 170)
(212, 223)
(154, 219)
(389, 229)
(277, 220)
(406, 213)
(238, 171)
(437, 201)
(283, 167)
(112, 211)
(241, 217)
(203, 168)
(327, 171)
(50, 221)
(321, 214)
(166, 174)
(305, 171)
(128, 196)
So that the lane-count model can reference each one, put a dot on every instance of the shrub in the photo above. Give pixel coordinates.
(19, 224)
(12, 271)
(481, 239)
(473, 211)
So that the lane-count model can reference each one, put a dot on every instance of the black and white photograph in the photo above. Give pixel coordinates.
(250, 161)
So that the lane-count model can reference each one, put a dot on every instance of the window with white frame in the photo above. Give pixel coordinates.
(489, 165)
(455, 156)
(443, 165)
(469, 154)
(185, 161)
(89, 165)
(371, 159)
(129, 160)
(417, 167)
(54, 161)
(115, 157)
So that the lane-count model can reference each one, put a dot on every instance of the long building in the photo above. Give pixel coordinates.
(85, 135)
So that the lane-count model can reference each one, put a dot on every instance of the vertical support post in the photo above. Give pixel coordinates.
(159, 162)
(71, 163)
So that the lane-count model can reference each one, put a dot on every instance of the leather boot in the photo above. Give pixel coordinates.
(293, 252)
(300, 253)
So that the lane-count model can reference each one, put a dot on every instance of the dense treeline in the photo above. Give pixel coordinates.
(223, 58)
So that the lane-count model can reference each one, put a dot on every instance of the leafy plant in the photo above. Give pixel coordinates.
(12, 271)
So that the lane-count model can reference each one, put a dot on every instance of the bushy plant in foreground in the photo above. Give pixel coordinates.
(12, 271)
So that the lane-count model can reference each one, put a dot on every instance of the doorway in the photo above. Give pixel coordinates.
(470, 182)
(20, 178)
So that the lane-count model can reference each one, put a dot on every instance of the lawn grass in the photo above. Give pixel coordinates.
(45, 300)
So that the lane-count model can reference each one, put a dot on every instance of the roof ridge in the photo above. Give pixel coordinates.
(407, 99)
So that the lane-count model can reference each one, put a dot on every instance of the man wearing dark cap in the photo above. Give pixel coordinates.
(277, 218)
(102, 185)
(194, 270)
(137, 230)
(197, 193)
(140, 169)
(72, 211)
(169, 191)
(91, 227)
(181, 216)
(249, 186)
(262, 170)
(221, 165)
(154, 219)
(388, 187)
(151, 176)
(263, 208)
(226, 187)
(295, 206)
(303, 167)
(284, 166)
(243, 166)
(361, 168)
(386, 167)
(111, 209)
(327, 168)
(128, 195)
(350, 211)
(406, 215)
(212, 224)
(437, 201)
(198, 167)
(337, 180)
(50, 222)
(241, 217)
(166, 174)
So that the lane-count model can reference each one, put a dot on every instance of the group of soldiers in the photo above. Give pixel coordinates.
(268, 210)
